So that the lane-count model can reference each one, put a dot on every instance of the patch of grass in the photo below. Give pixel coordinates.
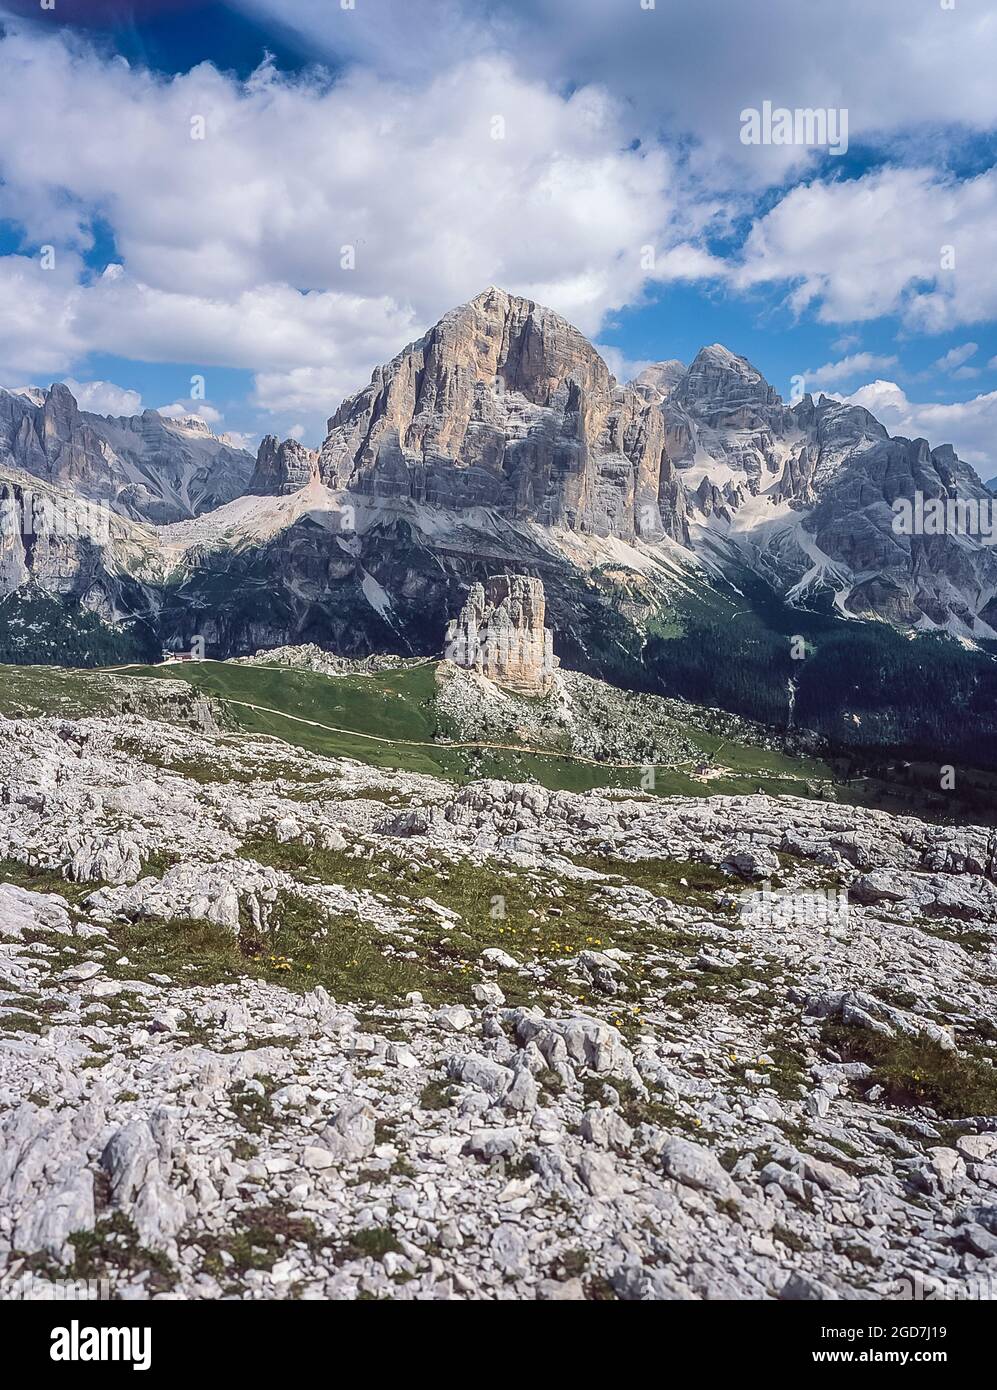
(252, 1107)
(917, 1071)
(159, 861)
(112, 1250)
(20, 1023)
(681, 881)
(535, 916)
(372, 1242)
(436, 1096)
(261, 1237)
(390, 719)
(39, 880)
(786, 1076)
(192, 951)
(304, 948)
(978, 943)
(570, 1264)
(790, 1239)
(634, 1108)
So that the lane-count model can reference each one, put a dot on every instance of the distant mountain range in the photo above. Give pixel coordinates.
(148, 467)
(498, 442)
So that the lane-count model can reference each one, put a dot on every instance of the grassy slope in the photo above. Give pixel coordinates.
(390, 704)
(27, 692)
(399, 705)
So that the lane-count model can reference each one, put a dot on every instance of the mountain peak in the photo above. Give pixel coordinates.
(282, 467)
(660, 379)
(719, 356)
(505, 404)
(721, 378)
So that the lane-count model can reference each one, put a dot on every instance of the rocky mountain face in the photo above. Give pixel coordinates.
(497, 443)
(805, 494)
(943, 580)
(63, 545)
(500, 633)
(282, 467)
(724, 408)
(146, 466)
(504, 405)
(658, 381)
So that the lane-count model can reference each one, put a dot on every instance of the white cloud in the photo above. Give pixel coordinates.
(37, 333)
(970, 426)
(846, 342)
(859, 249)
(231, 248)
(622, 367)
(182, 410)
(833, 373)
(308, 390)
(240, 439)
(686, 262)
(951, 361)
(104, 398)
(214, 233)
(692, 67)
(97, 397)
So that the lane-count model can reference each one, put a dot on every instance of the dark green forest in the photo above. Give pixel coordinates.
(861, 685)
(38, 630)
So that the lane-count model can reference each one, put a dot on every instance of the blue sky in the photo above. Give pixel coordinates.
(357, 170)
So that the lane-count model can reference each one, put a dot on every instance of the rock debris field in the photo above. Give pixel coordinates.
(274, 1025)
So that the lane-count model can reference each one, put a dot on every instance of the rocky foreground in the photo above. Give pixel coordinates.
(275, 1026)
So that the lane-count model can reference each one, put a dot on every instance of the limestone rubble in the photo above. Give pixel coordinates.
(629, 1090)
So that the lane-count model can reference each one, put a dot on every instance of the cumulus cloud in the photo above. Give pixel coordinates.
(325, 220)
(833, 373)
(846, 342)
(622, 367)
(970, 426)
(183, 410)
(240, 439)
(97, 397)
(955, 357)
(912, 242)
(952, 363)
(693, 68)
(308, 390)
(38, 337)
(104, 398)
(409, 197)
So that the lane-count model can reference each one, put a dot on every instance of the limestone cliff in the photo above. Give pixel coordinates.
(504, 404)
(282, 467)
(500, 633)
